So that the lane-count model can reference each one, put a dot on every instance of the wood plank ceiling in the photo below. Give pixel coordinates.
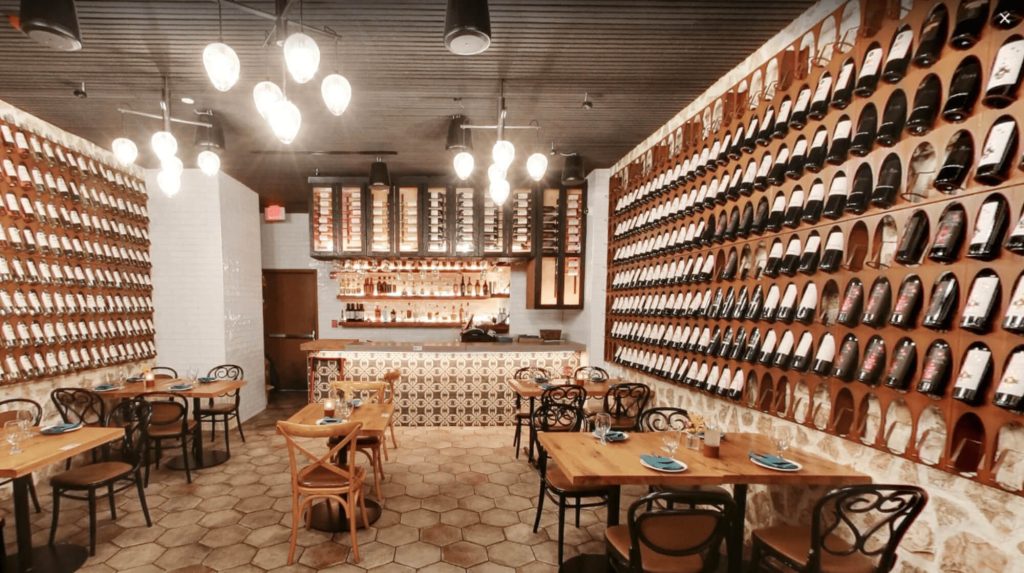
(640, 60)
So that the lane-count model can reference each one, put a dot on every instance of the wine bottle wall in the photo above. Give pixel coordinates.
(848, 220)
(75, 288)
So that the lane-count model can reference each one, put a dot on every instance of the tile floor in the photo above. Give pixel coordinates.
(456, 499)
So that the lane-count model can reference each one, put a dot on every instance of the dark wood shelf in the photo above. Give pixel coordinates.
(411, 297)
(370, 324)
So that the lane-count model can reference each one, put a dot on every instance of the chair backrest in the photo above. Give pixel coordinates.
(134, 416)
(391, 378)
(566, 394)
(168, 409)
(627, 400)
(345, 434)
(590, 373)
(665, 418)
(531, 373)
(78, 405)
(554, 417)
(706, 517)
(373, 390)
(867, 519)
(226, 372)
(10, 408)
(163, 372)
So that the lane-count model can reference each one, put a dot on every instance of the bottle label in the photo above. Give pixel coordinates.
(908, 294)
(802, 99)
(824, 85)
(995, 145)
(800, 148)
(845, 75)
(871, 62)
(1008, 64)
(1012, 382)
(835, 241)
(980, 300)
(784, 111)
(900, 45)
(839, 187)
(973, 369)
(843, 129)
(766, 165)
(985, 224)
(1016, 308)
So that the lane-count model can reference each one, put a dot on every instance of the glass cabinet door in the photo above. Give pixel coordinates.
(550, 224)
(351, 219)
(493, 227)
(322, 221)
(436, 220)
(573, 221)
(521, 205)
(548, 281)
(465, 239)
(572, 282)
(380, 220)
(407, 220)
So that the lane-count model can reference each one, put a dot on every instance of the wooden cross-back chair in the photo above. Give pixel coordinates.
(371, 445)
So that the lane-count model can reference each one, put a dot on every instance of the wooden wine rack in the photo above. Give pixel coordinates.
(971, 446)
(114, 201)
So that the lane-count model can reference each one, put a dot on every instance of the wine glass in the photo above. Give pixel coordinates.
(781, 437)
(602, 423)
(192, 373)
(25, 421)
(12, 433)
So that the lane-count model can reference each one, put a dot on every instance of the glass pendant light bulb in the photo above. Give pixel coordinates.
(125, 150)
(495, 173)
(172, 165)
(302, 56)
(537, 166)
(168, 182)
(209, 162)
(164, 145)
(285, 120)
(337, 93)
(503, 153)
(499, 191)
(464, 164)
(222, 65)
(266, 94)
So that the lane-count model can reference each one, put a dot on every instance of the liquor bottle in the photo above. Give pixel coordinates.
(1013, 318)
(860, 193)
(904, 364)
(849, 356)
(933, 37)
(1010, 392)
(975, 373)
(833, 255)
(753, 344)
(943, 303)
(899, 55)
(989, 229)
(879, 301)
(835, 202)
(926, 106)
(843, 92)
(963, 90)
(981, 302)
(908, 303)
(853, 302)
(970, 20)
(874, 362)
(938, 364)
(867, 130)
(1015, 243)
(794, 209)
(946, 247)
(819, 151)
(1004, 80)
(914, 240)
(867, 81)
(808, 304)
(999, 153)
(840, 147)
(893, 119)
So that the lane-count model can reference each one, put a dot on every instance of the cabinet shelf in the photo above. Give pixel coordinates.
(412, 297)
(408, 324)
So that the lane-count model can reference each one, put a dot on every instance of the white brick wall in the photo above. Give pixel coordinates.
(587, 326)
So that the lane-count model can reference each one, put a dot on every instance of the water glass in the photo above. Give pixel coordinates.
(670, 439)
(13, 433)
(781, 437)
(602, 423)
(192, 373)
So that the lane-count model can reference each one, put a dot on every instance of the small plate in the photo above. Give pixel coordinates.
(657, 469)
(54, 431)
(766, 466)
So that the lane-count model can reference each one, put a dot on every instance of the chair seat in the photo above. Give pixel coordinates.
(558, 481)
(91, 475)
(688, 488)
(368, 441)
(794, 543)
(169, 430)
(322, 478)
(522, 416)
(618, 540)
(220, 408)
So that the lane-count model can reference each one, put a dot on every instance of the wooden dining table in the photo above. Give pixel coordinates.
(586, 462)
(198, 392)
(330, 516)
(38, 451)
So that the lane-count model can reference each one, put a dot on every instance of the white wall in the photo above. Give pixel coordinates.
(587, 326)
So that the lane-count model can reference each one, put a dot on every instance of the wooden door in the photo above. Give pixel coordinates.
(289, 319)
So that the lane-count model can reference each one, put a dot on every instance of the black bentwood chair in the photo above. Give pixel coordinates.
(674, 540)
(224, 411)
(9, 410)
(625, 403)
(169, 421)
(588, 373)
(163, 372)
(120, 472)
(661, 420)
(78, 405)
(854, 529)
(523, 418)
(558, 417)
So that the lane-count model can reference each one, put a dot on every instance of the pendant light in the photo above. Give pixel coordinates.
(221, 62)
(503, 153)
(285, 120)
(495, 173)
(124, 150)
(379, 176)
(467, 27)
(168, 182)
(499, 191)
(537, 166)
(164, 144)
(572, 171)
(208, 162)
(172, 165)
(464, 164)
(52, 23)
(266, 94)
(461, 140)
(335, 89)
(301, 54)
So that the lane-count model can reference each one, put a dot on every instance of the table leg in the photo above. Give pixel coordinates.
(739, 493)
(530, 426)
(594, 563)
(60, 558)
(614, 493)
(201, 459)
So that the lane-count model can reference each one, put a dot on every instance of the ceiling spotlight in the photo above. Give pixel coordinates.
(467, 27)
(587, 104)
(164, 145)
(464, 164)
(285, 120)
(337, 93)
(459, 138)
(208, 162)
(572, 171)
(52, 23)
(266, 94)
(187, 100)
(379, 176)
(302, 56)
(124, 150)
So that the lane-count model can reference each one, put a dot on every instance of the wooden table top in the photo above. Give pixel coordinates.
(530, 389)
(586, 462)
(41, 450)
(374, 417)
(208, 390)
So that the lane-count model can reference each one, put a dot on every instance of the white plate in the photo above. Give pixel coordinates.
(650, 467)
(766, 466)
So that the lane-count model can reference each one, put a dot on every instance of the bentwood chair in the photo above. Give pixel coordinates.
(625, 403)
(523, 418)
(113, 475)
(875, 517)
(9, 410)
(664, 419)
(370, 445)
(334, 477)
(163, 372)
(78, 405)
(590, 373)
(169, 421)
(554, 484)
(674, 540)
(217, 410)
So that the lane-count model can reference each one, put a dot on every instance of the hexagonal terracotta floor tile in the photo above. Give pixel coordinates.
(417, 554)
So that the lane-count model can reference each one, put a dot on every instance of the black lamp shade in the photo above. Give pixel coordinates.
(379, 176)
(210, 137)
(52, 23)
(572, 171)
(467, 27)
(459, 139)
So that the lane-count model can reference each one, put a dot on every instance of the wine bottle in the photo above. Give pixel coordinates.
(926, 106)
(999, 153)
(756, 302)
(981, 302)
(874, 362)
(938, 364)
(1010, 392)
(821, 98)
(736, 387)
(853, 302)
(784, 354)
(777, 215)
(963, 90)
(970, 20)
(1015, 243)
(908, 303)
(728, 272)
(843, 92)
(933, 37)
(815, 203)
(777, 173)
(787, 308)
(771, 304)
(823, 360)
(753, 344)
(808, 304)
(879, 301)
(791, 260)
(893, 119)
(1004, 81)
(767, 351)
(774, 260)
(867, 81)
(798, 119)
(946, 247)
(863, 180)
(943, 302)
(1008, 14)
(835, 203)
(867, 130)
(974, 375)
(746, 221)
(752, 130)
(794, 209)
(740, 345)
(760, 217)
(811, 255)
(903, 366)
(763, 171)
(1013, 319)
(898, 59)
(781, 127)
(802, 355)
(819, 150)
(833, 255)
(989, 228)
(849, 356)
(840, 147)
(798, 159)
(767, 125)
(913, 241)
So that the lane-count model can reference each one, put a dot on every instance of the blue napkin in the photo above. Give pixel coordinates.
(661, 462)
(325, 420)
(613, 436)
(61, 428)
(355, 402)
(134, 379)
(546, 386)
(180, 387)
(206, 379)
(104, 388)
(774, 461)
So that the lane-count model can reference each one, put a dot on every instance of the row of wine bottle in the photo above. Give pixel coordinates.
(25, 366)
(47, 303)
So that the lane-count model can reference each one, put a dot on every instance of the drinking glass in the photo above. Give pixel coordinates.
(781, 436)
(602, 423)
(670, 439)
(25, 421)
(12, 433)
(192, 373)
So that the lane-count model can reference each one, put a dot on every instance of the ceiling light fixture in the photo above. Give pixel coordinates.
(164, 144)
(266, 94)
(379, 176)
(52, 23)
(459, 139)
(301, 54)
(499, 191)
(208, 162)
(285, 120)
(464, 164)
(335, 89)
(467, 27)
(125, 150)
(210, 135)
(221, 62)
(537, 166)
(168, 182)
(187, 100)
(572, 171)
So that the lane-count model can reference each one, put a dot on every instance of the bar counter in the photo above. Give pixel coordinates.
(442, 383)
